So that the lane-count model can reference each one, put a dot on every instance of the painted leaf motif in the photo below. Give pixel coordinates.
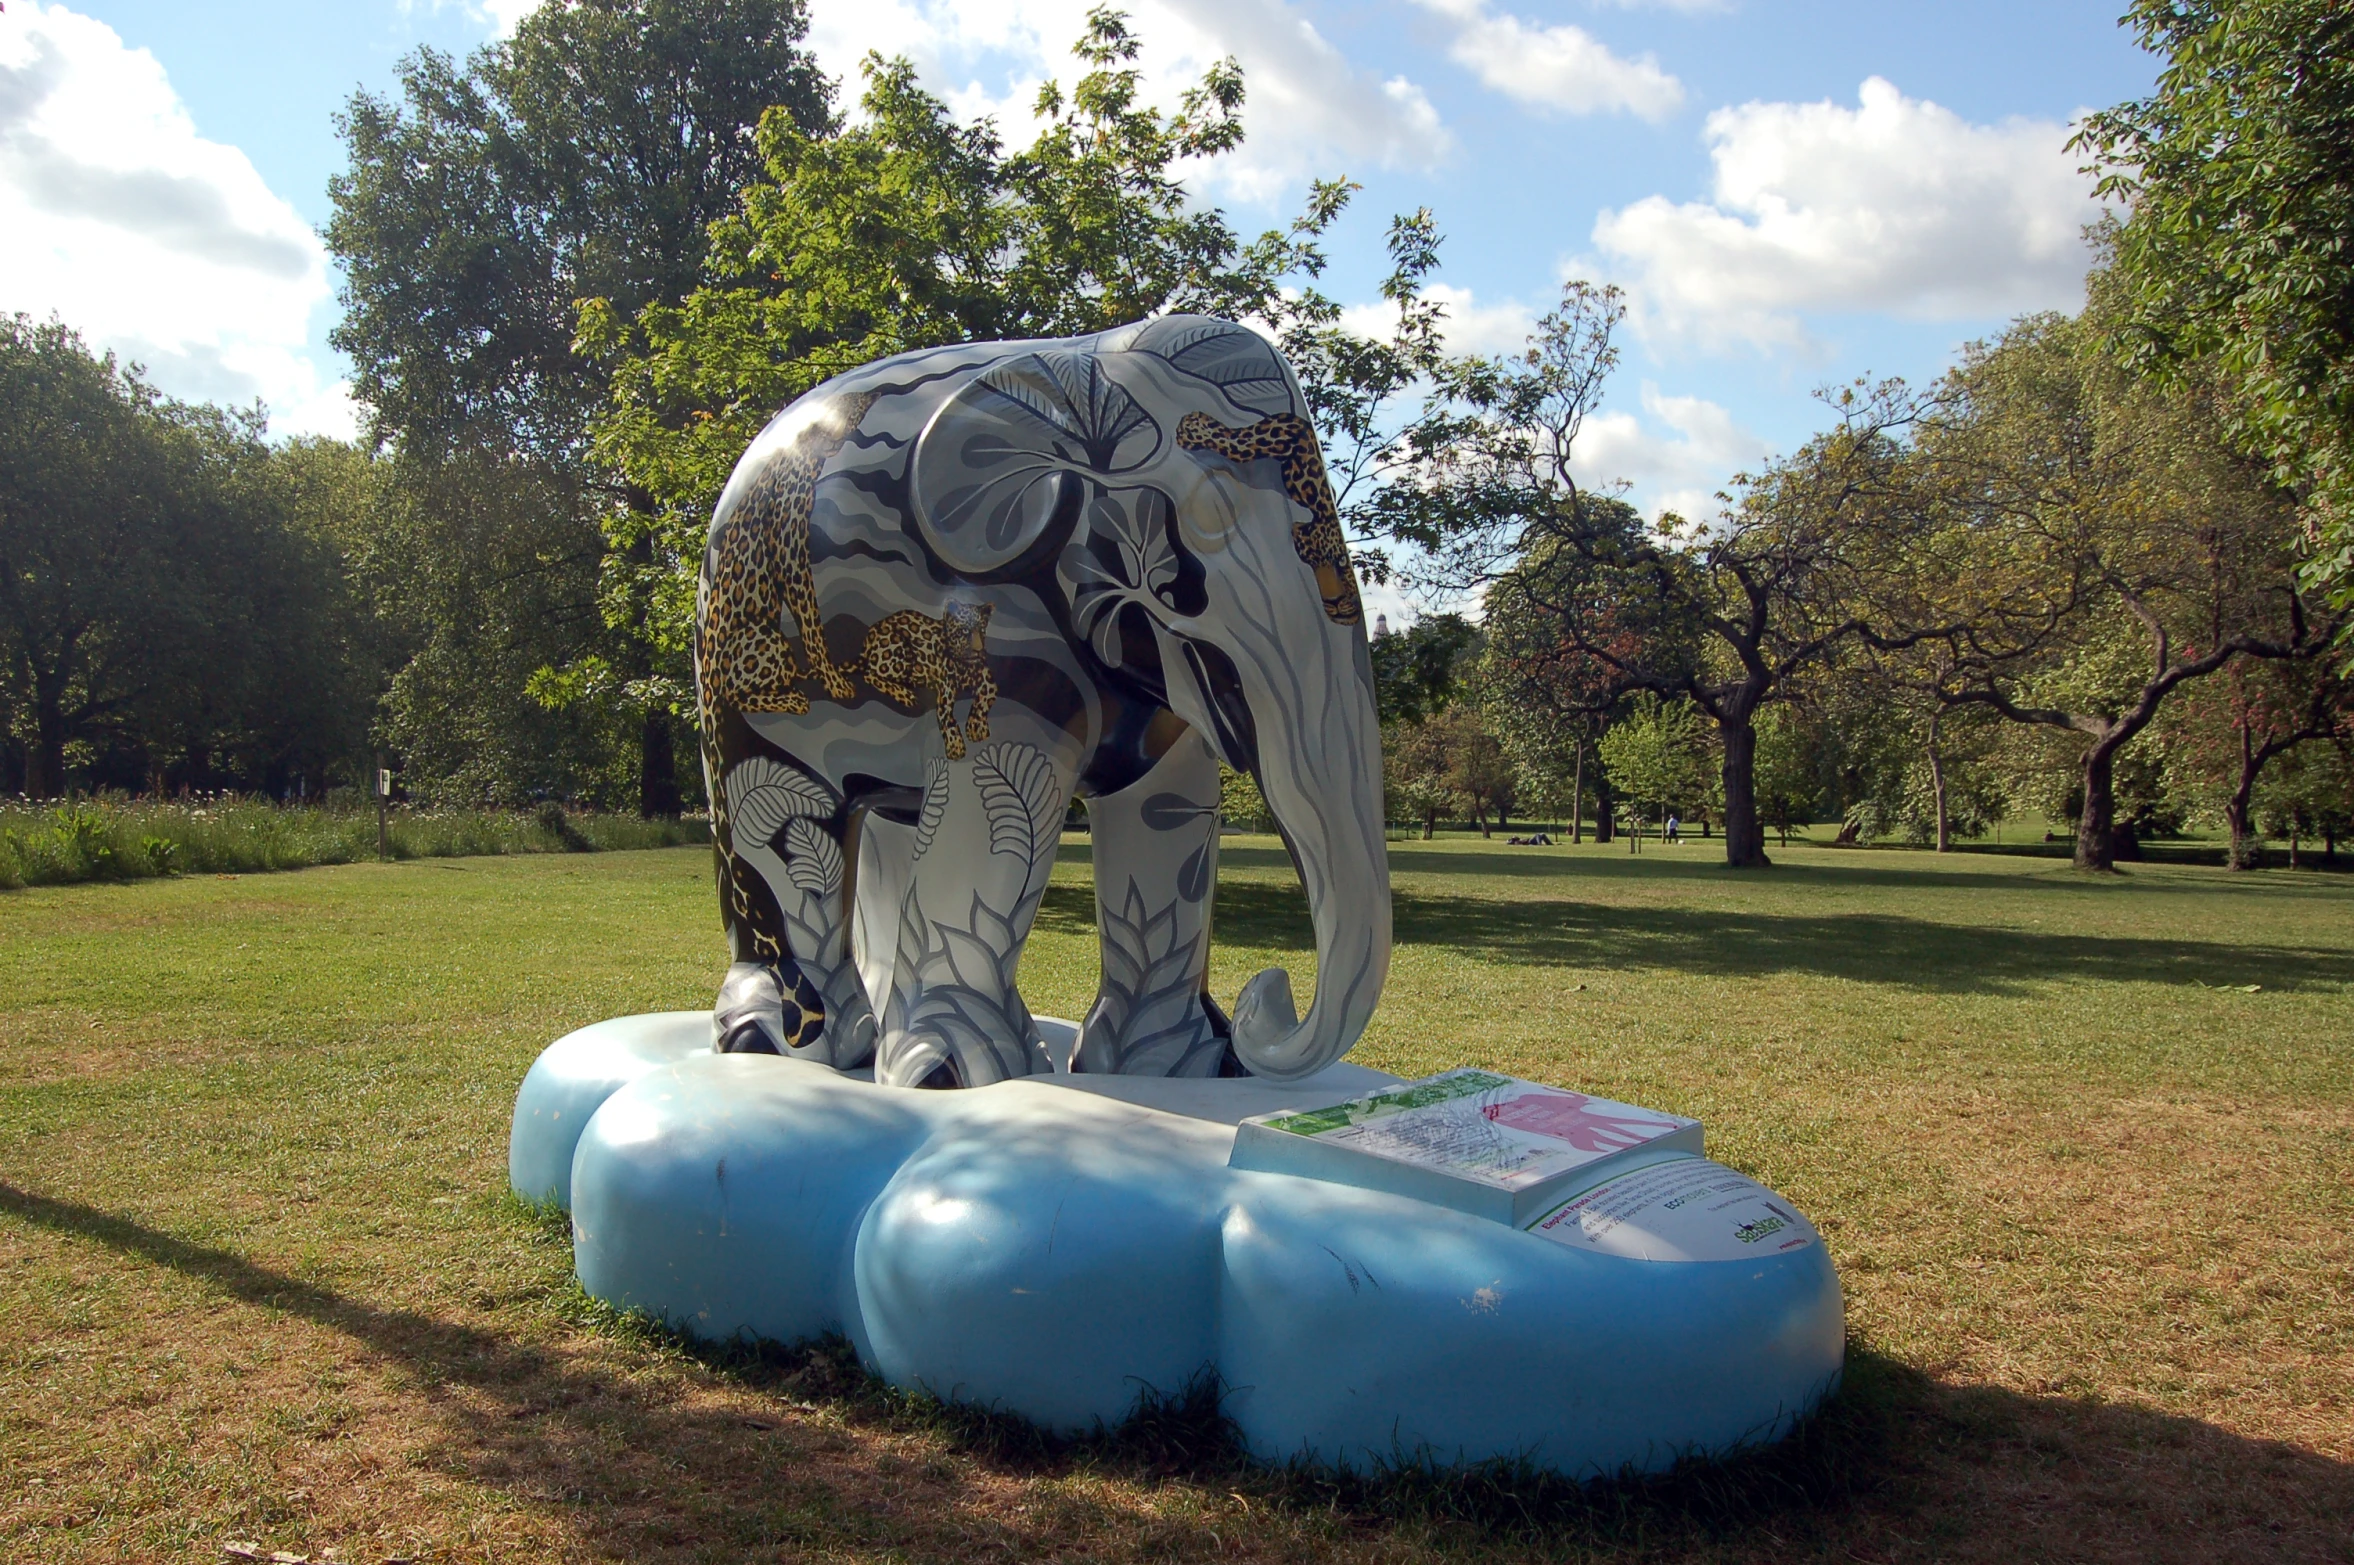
(812, 858)
(1085, 414)
(764, 793)
(1019, 794)
(927, 824)
(1237, 361)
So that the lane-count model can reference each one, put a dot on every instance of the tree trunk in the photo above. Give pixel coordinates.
(1479, 818)
(1937, 786)
(2096, 824)
(1430, 824)
(2245, 852)
(1605, 809)
(1744, 832)
(47, 755)
(1577, 793)
(657, 769)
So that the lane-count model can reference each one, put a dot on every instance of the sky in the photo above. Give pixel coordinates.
(1792, 193)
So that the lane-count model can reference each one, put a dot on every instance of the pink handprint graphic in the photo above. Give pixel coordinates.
(1565, 1117)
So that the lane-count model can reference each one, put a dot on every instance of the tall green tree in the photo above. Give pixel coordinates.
(85, 543)
(2239, 247)
(910, 229)
(2119, 549)
(1657, 756)
(586, 157)
(1419, 671)
(163, 617)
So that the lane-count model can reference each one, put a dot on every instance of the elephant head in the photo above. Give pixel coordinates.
(1163, 482)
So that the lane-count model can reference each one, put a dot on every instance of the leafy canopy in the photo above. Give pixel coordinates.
(910, 230)
(2240, 247)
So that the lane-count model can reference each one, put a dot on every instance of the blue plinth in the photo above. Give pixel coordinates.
(1053, 1246)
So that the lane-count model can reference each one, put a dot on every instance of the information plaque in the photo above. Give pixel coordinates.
(1490, 1145)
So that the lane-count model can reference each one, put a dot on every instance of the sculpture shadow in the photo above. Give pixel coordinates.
(1871, 948)
(1702, 862)
(1897, 1461)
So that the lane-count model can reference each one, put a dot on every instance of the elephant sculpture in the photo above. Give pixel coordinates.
(947, 592)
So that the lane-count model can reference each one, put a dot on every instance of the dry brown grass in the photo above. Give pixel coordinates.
(257, 1278)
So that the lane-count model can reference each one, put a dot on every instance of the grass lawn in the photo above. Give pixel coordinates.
(2091, 1195)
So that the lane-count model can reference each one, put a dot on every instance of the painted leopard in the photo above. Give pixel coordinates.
(1291, 440)
(910, 657)
(761, 572)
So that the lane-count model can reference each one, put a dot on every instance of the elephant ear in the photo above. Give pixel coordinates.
(1004, 456)
(1245, 368)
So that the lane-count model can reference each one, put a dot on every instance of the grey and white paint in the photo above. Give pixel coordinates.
(1092, 566)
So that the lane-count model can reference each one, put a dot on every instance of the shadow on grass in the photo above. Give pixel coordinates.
(1873, 948)
(1896, 1461)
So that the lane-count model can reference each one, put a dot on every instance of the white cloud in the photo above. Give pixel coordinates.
(505, 15)
(1309, 111)
(1895, 205)
(145, 237)
(501, 17)
(1556, 69)
(1471, 327)
(1678, 470)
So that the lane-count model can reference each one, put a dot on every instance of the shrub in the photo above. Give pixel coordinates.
(123, 839)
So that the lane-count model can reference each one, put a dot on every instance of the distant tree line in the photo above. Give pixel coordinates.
(2047, 582)
(2102, 569)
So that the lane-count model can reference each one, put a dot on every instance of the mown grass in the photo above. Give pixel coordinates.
(2090, 1197)
(116, 839)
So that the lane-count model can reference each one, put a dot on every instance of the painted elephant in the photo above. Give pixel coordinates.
(946, 592)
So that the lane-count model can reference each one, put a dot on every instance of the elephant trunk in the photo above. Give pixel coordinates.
(1318, 742)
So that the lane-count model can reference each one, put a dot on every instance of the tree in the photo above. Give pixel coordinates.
(2238, 256)
(586, 157)
(1786, 784)
(1545, 697)
(910, 230)
(1415, 766)
(1656, 755)
(2117, 549)
(162, 616)
(85, 543)
(1478, 773)
(2225, 732)
(1416, 671)
(1722, 614)
(2311, 793)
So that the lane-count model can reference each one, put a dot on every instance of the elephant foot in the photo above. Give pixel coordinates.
(916, 1060)
(756, 1013)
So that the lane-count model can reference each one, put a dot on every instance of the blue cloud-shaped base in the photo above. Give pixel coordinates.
(1054, 1249)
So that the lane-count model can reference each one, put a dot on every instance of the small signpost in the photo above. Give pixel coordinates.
(383, 800)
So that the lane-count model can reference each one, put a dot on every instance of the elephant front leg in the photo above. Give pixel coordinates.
(984, 847)
(1156, 867)
(794, 986)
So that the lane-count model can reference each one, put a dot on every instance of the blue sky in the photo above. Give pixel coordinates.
(1793, 192)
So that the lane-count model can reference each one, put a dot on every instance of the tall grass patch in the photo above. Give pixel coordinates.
(122, 839)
